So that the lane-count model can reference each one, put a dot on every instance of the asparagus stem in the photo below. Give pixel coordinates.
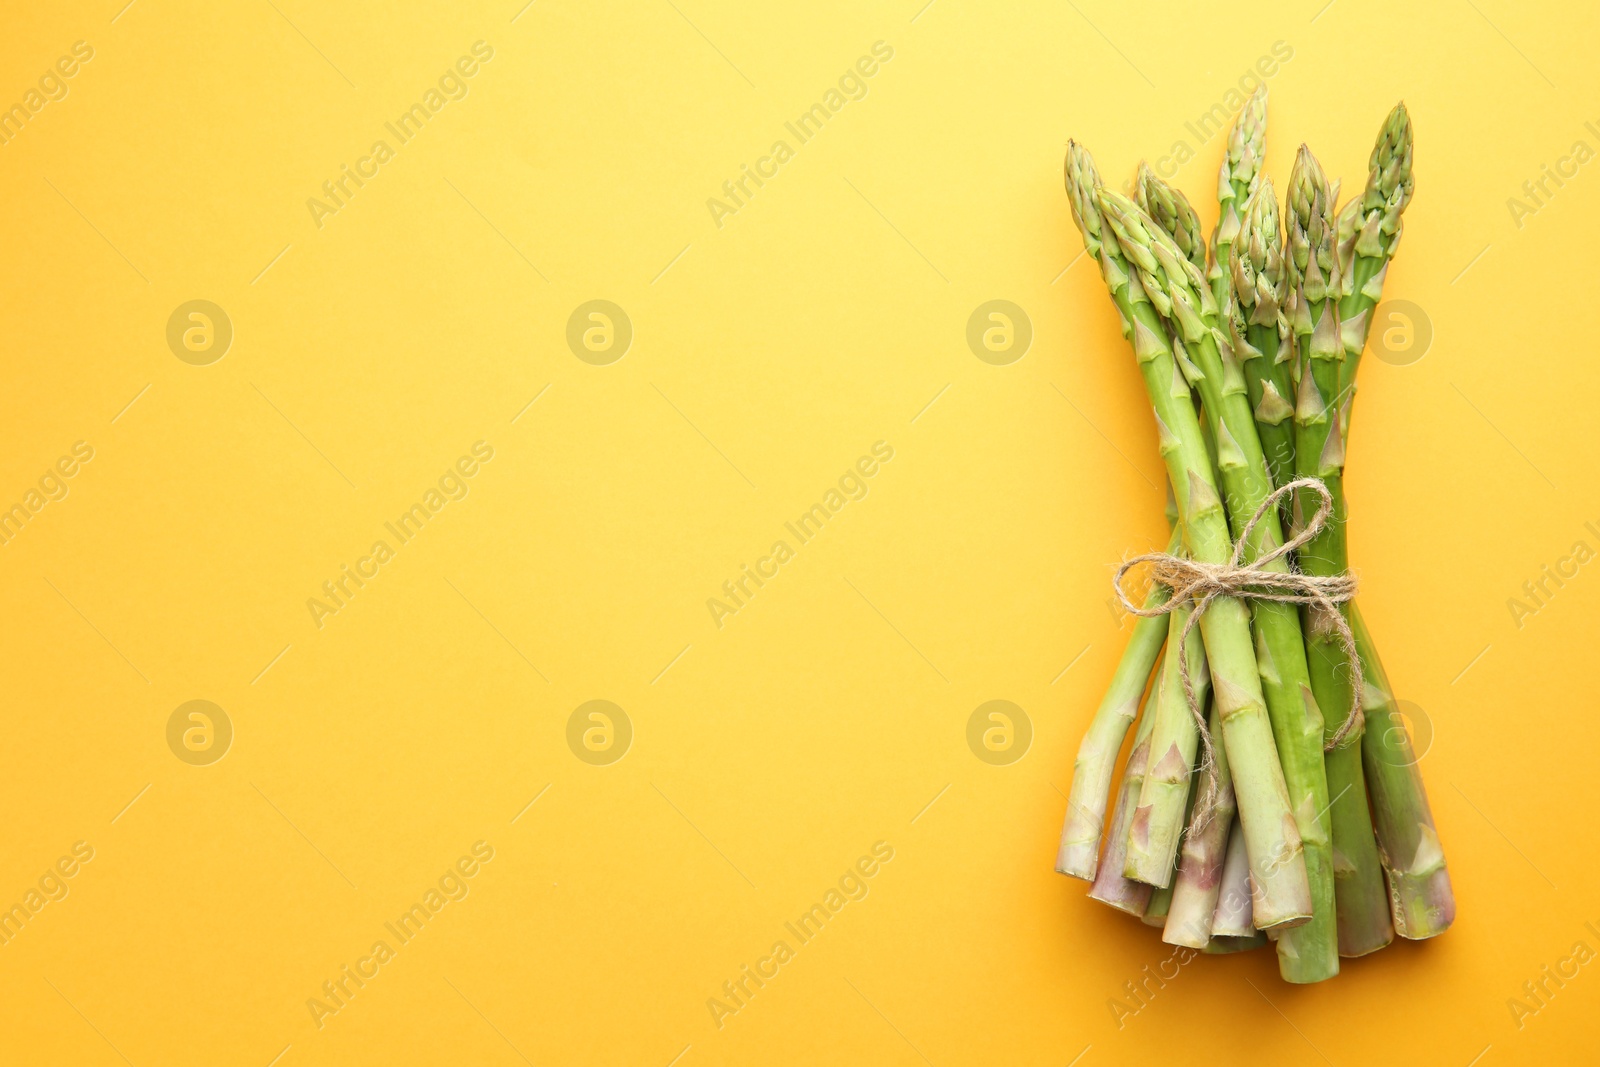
(1310, 953)
(1233, 915)
(1199, 880)
(1110, 886)
(1361, 902)
(1161, 897)
(1155, 913)
(1079, 854)
(1420, 896)
(1422, 903)
(1272, 838)
(1159, 819)
(1222, 946)
(1258, 329)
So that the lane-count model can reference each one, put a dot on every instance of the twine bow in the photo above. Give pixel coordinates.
(1198, 584)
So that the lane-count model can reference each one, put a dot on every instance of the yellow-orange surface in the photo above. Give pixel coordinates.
(590, 475)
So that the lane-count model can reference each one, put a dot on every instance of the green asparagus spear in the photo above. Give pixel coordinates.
(1173, 212)
(1361, 902)
(1241, 171)
(1258, 329)
(1373, 235)
(1421, 901)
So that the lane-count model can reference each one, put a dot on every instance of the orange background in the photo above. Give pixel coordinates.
(769, 754)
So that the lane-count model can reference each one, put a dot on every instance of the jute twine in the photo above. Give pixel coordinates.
(1196, 584)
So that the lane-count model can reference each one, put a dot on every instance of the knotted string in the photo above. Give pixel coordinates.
(1198, 584)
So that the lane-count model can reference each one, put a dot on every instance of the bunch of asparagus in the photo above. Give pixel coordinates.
(1316, 832)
